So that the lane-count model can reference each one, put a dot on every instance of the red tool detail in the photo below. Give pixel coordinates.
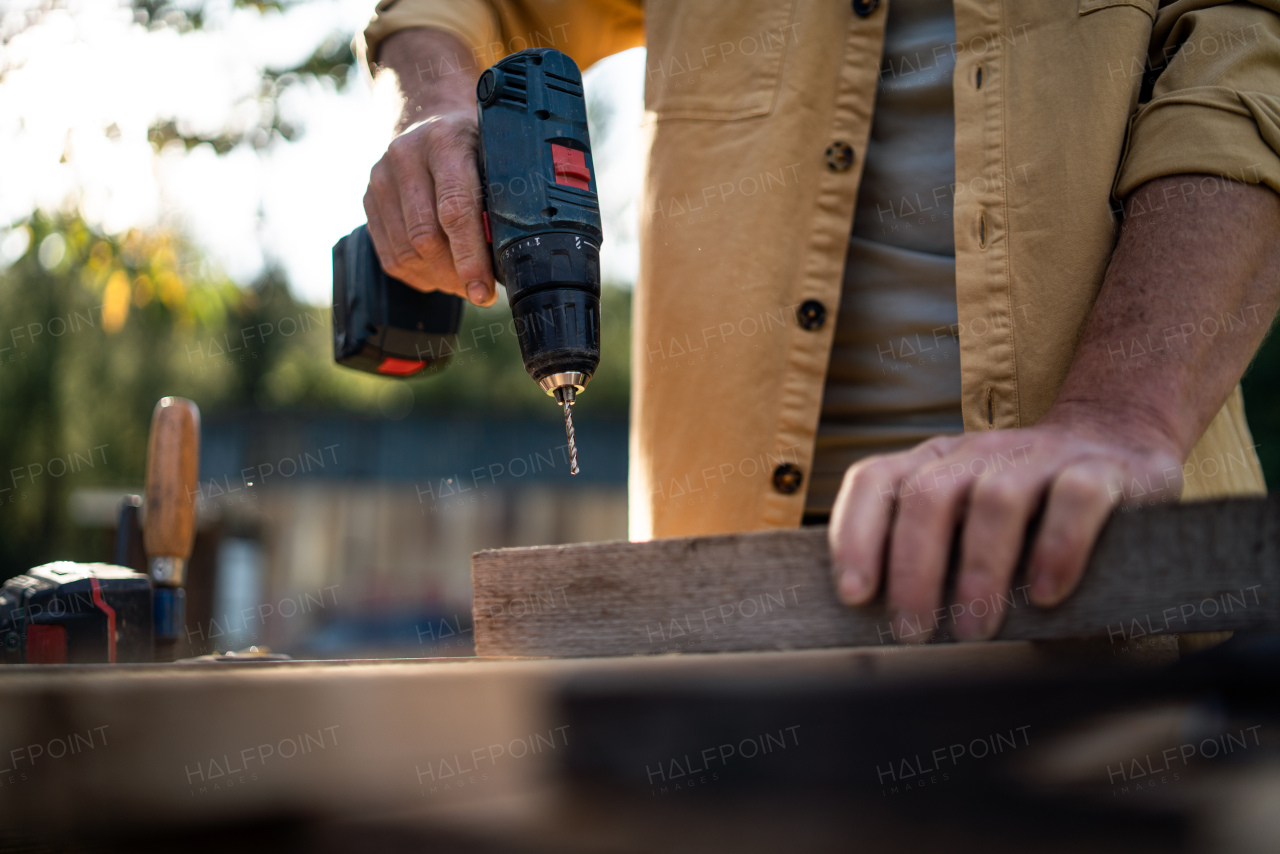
(400, 367)
(488, 235)
(46, 644)
(111, 619)
(571, 167)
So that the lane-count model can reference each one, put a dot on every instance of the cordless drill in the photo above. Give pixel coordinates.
(542, 220)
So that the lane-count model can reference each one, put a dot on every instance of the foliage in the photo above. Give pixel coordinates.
(91, 330)
(332, 60)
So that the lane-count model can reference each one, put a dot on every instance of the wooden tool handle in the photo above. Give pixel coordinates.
(173, 466)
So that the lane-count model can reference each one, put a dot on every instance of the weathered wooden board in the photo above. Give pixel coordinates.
(575, 755)
(1210, 566)
(96, 747)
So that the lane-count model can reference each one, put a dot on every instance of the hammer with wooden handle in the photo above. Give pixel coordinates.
(169, 523)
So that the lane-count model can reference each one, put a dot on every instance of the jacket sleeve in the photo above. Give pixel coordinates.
(1215, 106)
(587, 30)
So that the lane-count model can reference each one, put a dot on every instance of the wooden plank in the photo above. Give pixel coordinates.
(405, 756)
(1211, 566)
(85, 748)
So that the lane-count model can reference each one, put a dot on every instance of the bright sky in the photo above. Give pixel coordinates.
(80, 89)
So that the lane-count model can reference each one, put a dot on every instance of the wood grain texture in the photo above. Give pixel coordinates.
(173, 466)
(556, 755)
(201, 743)
(1211, 566)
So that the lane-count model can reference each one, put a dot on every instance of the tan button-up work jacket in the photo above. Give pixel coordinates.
(1062, 108)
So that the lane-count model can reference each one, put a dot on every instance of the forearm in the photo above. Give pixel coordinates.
(436, 73)
(1190, 292)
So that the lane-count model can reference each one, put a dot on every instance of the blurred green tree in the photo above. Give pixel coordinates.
(91, 327)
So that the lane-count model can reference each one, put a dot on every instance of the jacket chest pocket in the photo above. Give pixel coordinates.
(1148, 6)
(715, 60)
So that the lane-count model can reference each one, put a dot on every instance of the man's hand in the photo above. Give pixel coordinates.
(424, 200)
(1193, 247)
(901, 511)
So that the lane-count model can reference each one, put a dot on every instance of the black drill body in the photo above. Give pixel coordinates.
(542, 220)
(543, 214)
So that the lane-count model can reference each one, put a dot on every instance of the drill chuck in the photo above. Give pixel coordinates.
(554, 293)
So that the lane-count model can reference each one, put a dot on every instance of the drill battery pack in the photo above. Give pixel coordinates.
(380, 324)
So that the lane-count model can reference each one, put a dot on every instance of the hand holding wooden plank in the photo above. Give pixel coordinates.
(1181, 568)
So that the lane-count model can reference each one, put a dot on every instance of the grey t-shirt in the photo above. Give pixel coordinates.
(894, 376)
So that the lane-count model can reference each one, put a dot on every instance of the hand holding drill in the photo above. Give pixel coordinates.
(528, 154)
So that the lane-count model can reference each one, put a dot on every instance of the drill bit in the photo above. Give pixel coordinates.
(565, 394)
(568, 431)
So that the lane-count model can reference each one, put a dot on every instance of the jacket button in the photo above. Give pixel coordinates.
(839, 156)
(865, 7)
(812, 314)
(787, 478)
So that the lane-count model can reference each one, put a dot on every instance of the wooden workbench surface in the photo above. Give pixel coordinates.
(445, 746)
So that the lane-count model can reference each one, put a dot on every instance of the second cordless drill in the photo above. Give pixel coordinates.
(542, 219)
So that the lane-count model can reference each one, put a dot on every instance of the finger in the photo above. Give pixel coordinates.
(386, 226)
(422, 245)
(1079, 503)
(378, 229)
(860, 522)
(457, 181)
(995, 527)
(930, 504)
